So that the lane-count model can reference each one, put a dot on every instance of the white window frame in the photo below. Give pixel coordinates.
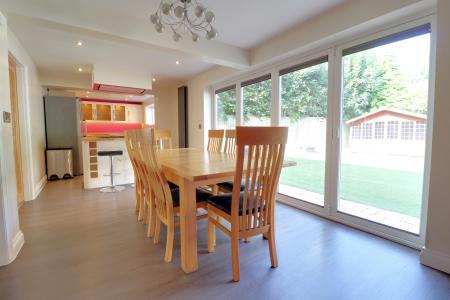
(383, 129)
(334, 51)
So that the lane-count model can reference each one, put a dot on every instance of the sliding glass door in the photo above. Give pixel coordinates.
(304, 97)
(225, 108)
(385, 111)
(257, 101)
(359, 119)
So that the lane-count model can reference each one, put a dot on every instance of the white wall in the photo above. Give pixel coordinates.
(32, 121)
(166, 110)
(199, 104)
(11, 238)
(437, 244)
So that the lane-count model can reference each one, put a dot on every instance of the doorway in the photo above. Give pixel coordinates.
(16, 129)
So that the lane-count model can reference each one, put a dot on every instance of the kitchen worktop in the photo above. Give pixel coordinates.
(102, 138)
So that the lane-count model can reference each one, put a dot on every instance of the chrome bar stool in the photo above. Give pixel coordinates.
(113, 188)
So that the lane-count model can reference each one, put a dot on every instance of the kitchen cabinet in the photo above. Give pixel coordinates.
(103, 112)
(91, 111)
(87, 112)
(120, 113)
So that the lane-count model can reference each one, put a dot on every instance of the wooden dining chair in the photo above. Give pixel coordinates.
(139, 185)
(163, 139)
(230, 141)
(229, 148)
(147, 206)
(167, 201)
(215, 140)
(260, 154)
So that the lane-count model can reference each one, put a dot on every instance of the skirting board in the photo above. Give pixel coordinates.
(39, 187)
(436, 260)
(18, 242)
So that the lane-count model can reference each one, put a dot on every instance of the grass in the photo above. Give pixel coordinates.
(392, 190)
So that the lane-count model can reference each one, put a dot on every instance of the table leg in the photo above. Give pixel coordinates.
(188, 227)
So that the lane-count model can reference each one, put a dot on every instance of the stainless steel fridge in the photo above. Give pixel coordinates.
(62, 127)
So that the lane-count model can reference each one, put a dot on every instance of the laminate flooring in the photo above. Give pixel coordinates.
(88, 245)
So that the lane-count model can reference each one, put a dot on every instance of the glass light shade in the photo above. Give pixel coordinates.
(179, 12)
(195, 37)
(176, 36)
(154, 18)
(165, 8)
(199, 11)
(212, 34)
(209, 16)
(159, 27)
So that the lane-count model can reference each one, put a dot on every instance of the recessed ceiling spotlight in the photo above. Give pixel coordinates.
(80, 69)
(80, 43)
(154, 79)
(177, 62)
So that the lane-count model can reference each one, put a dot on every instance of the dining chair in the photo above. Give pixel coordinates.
(147, 206)
(139, 185)
(167, 201)
(229, 148)
(260, 154)
(215, 140)
(163, 139)
(230, 141)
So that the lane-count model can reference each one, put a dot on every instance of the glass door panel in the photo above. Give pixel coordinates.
(304, 95)
(257, 103)
(226, 109)
(385, 101)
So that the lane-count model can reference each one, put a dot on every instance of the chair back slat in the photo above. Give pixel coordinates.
(260, 154)
(215, 140)
(230, 141)
(163, 139)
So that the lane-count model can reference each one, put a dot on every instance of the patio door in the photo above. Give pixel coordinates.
(304, 109)
(384, 119)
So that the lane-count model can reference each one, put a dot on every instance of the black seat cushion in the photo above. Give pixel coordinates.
(173, 186)
(110, 153)
(223, 202)
(201, 195)
(229, 185)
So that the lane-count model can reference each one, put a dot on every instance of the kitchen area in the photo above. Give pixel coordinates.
(85, 136)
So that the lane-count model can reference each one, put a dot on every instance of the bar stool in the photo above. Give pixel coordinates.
(112, 188)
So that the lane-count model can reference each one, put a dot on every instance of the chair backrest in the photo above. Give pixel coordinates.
(230, 141)
(215, 140)
(153, 174)
(131, 150)
(260, 155)
(163, 139)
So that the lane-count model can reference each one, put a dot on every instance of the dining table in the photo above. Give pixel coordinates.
(191, 168)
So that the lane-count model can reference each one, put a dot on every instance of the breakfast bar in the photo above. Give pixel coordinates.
(96, 168)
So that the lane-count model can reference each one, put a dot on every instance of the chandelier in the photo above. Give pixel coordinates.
(184, 16)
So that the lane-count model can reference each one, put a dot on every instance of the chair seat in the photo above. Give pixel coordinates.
(201, 195)
(223, 202)
(110, 153)
(229, 185)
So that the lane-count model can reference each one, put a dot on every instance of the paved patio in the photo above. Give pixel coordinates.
(385, 217)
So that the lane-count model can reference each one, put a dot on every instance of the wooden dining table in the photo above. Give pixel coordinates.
(191, 168)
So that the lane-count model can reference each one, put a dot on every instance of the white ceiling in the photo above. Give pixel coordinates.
(118, 32)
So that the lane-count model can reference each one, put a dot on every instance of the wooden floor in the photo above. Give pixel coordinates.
(88, 245)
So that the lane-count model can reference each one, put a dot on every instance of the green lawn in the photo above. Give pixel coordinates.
(397, 191)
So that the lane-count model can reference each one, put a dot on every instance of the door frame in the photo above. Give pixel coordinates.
(25, 129)
(404, 237)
